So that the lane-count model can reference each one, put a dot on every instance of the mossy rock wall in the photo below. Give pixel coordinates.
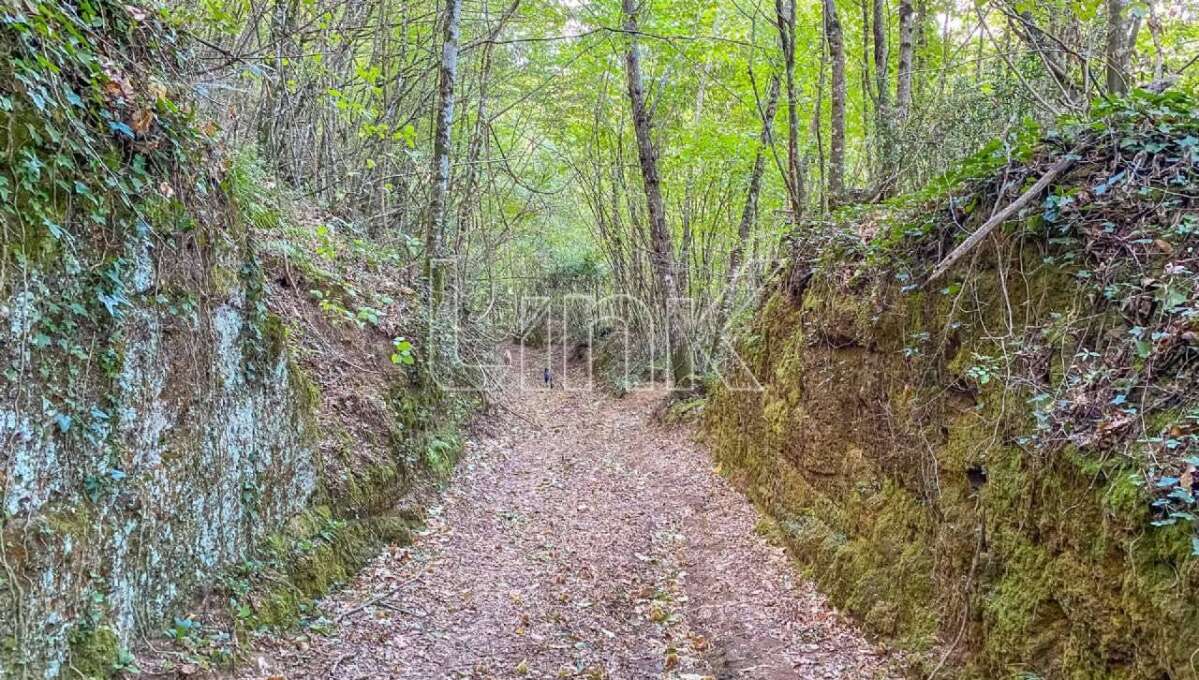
(202, 453)
(897, 483)
(121, 498)
(162, 422)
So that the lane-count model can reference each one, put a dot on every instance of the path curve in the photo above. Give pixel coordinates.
(581, 538)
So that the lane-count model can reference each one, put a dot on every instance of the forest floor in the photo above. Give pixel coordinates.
(580, 537)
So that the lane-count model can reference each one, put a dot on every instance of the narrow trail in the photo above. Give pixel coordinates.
(581, 538)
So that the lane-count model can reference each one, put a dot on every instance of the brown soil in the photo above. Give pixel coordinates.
(579, 537)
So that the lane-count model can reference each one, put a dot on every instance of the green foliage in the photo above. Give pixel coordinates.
(402, 352)
(93, 135)
(441, 452)
(98, 144)
(253, 192)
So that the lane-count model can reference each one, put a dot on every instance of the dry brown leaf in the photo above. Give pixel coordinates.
(142, 120)
(157, 89)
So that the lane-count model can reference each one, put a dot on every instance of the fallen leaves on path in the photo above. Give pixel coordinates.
(579, 538)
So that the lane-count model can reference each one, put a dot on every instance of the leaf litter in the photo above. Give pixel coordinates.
(580, 537)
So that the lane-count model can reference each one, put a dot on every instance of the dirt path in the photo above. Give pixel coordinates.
(580, 538)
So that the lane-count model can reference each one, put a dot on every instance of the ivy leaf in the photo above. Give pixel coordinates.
(1144, 348)
(63, 421)
(112, 303)
(120, 129)
(1183, 495)
(1175, 297)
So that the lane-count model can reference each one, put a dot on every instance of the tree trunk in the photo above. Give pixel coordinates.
(478, 138)
(435, 230)
(879, 27)
(661, 245)
(882, 112)
(749, 215)
(903, 83)
(869, 152)
(836, 46)
(785, 14)
(1116, 52)
(1047, 50)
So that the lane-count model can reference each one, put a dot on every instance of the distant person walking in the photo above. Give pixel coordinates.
(549, 377)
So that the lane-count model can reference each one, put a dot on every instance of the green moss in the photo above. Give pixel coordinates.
(1020, 601)
(223, 280)
(311, 556)
(95, 652)
(870, 460)
(306, 391)
(274, 335)
(372, 489)
(686, 410)
(72, 522)
(1125, 496)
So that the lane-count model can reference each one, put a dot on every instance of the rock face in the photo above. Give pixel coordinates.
(958, 465)
(192, 442)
